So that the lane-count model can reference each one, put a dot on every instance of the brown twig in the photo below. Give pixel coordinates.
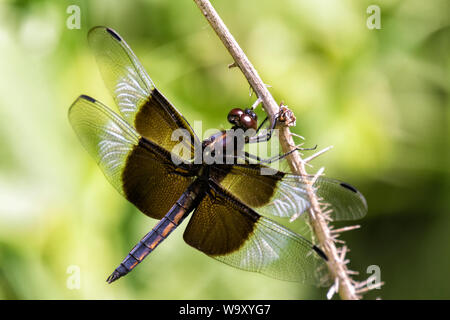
(337, 267)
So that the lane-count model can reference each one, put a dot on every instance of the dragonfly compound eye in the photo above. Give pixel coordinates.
(235, 115)
(251, 113)
(247, 122)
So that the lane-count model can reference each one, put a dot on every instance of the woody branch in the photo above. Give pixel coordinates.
(344, 285)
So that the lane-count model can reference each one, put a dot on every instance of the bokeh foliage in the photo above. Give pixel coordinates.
(381, 97)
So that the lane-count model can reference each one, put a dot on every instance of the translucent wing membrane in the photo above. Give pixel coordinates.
(277, 252)
(107, 138)
(283, 195)
(123, 75)
(290, 197)
(139, 169)
(346, 201)
(140, 103)
(225, 229)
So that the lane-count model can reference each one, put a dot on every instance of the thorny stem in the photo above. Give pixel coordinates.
(318, 219)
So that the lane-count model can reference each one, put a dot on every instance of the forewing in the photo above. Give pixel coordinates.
(140, 103)
(280, 194)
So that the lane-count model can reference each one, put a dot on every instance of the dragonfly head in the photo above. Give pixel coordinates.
(244, 119)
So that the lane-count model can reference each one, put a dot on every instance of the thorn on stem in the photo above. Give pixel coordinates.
(315, 155)
(345, 229)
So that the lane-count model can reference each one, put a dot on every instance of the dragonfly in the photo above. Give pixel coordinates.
(233, 204)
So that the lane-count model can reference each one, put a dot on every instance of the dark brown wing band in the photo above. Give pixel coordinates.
(139, 102)
(280, 194)
(229, 231)
(220, 226)
(151, 181)
(157, 120)
(139, 169)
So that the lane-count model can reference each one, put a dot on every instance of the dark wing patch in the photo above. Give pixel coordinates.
(219, 226)
(247, 183)
(139, 169)
(151, 181)
(157, 120)
(284, 195)
(140, 103)
(227, 230)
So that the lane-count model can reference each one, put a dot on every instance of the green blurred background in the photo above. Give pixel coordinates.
(380, 97)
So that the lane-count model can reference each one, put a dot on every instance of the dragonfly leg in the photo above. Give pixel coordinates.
(249, 156)
(284, 116)
(264, 136)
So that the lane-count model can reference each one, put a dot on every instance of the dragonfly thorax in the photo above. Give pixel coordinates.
(224, 147)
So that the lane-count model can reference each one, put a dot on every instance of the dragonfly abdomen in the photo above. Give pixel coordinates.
(179, 211)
